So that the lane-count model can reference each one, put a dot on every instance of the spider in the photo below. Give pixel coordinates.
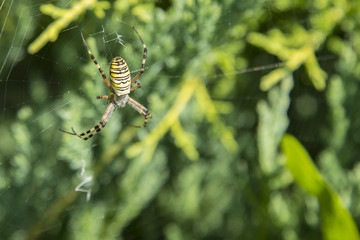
(120, 85)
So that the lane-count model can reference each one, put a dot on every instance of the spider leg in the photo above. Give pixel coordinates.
(71, 133)
(141, 109)
(97, 128)
(97, 65)
(143, 60)
(104, 97)
(138, 85)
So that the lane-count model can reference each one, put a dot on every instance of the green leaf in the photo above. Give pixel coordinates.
(336, 221)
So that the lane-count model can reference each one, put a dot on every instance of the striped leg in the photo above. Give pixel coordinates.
(97, 64)
(141, 109)
(143, 61)
(104, 120)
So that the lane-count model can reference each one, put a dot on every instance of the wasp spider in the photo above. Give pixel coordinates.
(120, 85)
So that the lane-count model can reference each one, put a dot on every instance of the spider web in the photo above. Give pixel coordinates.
(17, 66)
(17, 71)
(37, 86)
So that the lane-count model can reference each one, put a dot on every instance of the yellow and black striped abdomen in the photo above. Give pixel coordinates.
(120, 79)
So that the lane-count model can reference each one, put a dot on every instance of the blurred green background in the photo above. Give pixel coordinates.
(255, 128)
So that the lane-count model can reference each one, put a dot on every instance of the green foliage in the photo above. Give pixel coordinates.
(208, 165)
(336, 221)
(64, 18)
(273, 122)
